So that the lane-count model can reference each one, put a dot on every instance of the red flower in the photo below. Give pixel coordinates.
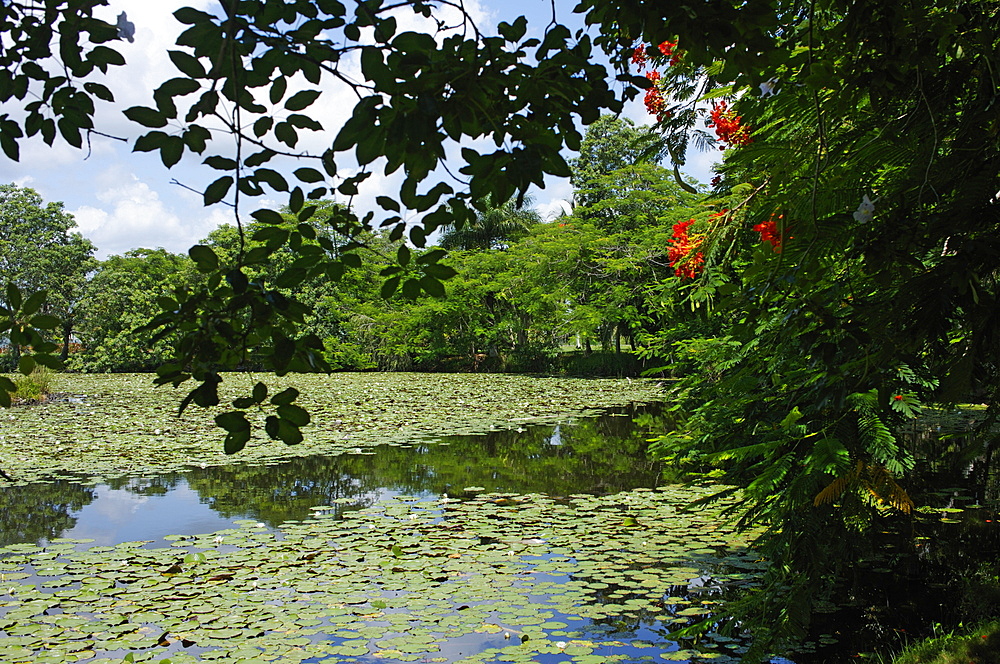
(655, 103)
(639, 55)
(727, 126)
(667, 49)
(769, 232)
(898, 397)
(686, 261)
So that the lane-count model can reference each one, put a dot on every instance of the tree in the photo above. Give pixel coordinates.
(494, 227)
(120, 297)
(39, 252)
(611, 144)
(851, 259)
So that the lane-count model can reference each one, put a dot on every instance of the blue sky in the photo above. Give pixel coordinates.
(123, 200)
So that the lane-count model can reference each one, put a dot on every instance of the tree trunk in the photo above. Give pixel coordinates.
(67, 328)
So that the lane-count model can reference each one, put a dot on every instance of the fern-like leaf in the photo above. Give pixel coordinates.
(837, 487)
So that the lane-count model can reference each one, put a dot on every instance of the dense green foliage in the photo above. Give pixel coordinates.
(980, 645)
(40, 252)
(842, 276)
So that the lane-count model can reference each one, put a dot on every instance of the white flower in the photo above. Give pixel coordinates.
(126, 28)
(866, 211)
(769, 87)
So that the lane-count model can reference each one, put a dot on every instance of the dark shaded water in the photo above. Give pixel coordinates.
(600, 455)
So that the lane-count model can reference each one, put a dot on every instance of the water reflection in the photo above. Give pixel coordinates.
(597, 455)
(43, 511)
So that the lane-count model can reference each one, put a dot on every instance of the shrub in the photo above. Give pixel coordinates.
(980, 646)
(33, 387)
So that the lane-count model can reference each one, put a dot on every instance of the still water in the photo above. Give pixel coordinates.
(599, 455)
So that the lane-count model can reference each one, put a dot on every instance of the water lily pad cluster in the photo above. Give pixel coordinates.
(497, 578)
(120, 424)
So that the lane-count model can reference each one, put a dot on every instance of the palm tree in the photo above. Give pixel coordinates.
(495, 226)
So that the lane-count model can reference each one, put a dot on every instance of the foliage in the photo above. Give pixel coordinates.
(408, 579)
(979, 645)
(34, 387)
(39, 252)
(849, 274)
(120, 297)
(119, 418)
(26, 327)
(494, 227)
(846, 271)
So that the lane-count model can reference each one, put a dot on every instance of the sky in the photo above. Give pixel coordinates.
(124, 200)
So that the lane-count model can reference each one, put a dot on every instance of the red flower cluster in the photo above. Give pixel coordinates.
(668, 49)
(686, 261)
(655, 103)
(639, 55)
(727, 126)
(769, 233)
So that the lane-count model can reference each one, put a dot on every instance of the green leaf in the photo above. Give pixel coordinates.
(238, 428)
(204, 257)
(191, 16)
(387, 203)
(432, 286)
(266, 216)
(441, 272)
(48, 361)
(273, 178)
(309, 175)
(26, 364)
(295, 200)
(301, 100)
(147, 117)
(33, 303)
(793, 416)
(221, 163)
(45, 322)
(286, 431)
(403, 255)
(154, 140)
(295, 414)
(389, 287)
(187, 64)
(14, 296)
(278, 89)
(285, 397)
(411, 289)
(218, 190)
(513, 32)
(99, 91)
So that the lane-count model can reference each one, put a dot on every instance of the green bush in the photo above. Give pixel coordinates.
(33, 387)
(979, 646)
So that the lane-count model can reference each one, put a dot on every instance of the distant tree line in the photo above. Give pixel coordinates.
(522, 292)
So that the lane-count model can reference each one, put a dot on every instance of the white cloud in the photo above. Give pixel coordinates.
(133, 215)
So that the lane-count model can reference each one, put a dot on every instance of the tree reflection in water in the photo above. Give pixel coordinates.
(598, 455)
